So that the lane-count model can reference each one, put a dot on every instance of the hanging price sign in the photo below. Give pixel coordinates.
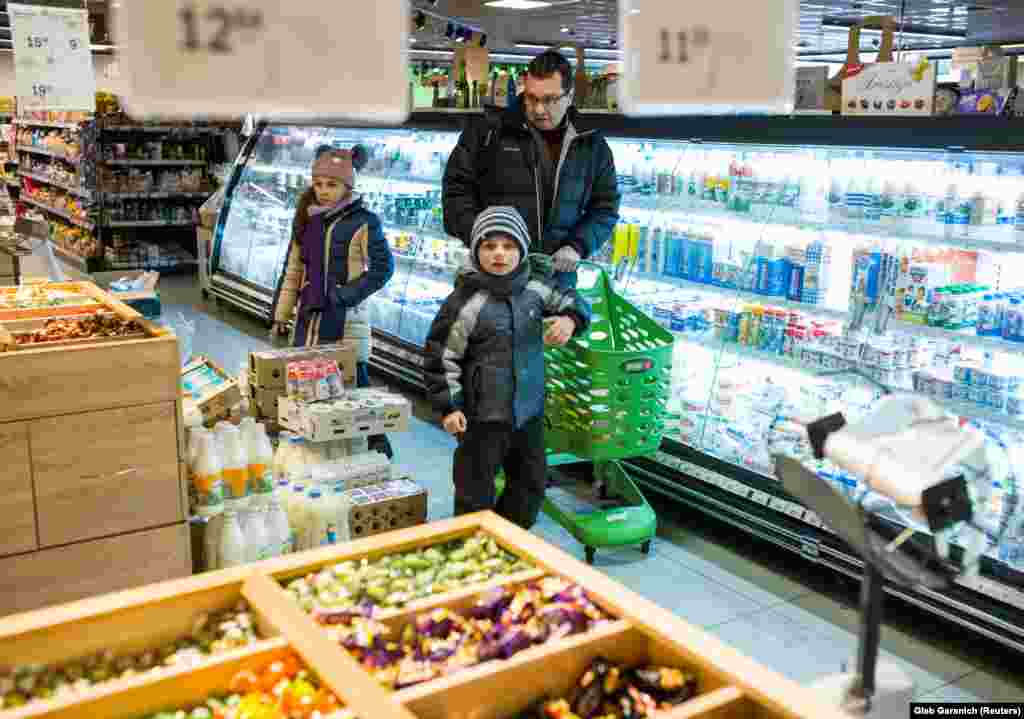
(311, 58)
(52, 57)
(712, 57)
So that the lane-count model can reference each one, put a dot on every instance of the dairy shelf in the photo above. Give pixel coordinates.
(49, 181)
(991, 343)
(898, 229)
(962, 409)
(60, 213)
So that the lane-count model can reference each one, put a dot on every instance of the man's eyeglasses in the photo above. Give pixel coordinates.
(548, 102)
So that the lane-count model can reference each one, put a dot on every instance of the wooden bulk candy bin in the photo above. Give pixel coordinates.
(91, 489)
(730, 685)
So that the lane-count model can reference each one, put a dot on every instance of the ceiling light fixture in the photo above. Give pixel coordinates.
(518, 4)
(565, 29)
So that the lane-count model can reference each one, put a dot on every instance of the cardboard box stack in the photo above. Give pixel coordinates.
(377, 502)
(268, 374)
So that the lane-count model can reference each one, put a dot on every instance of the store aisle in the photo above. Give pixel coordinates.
(775, 608)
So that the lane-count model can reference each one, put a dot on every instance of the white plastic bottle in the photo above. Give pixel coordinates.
(232, 542)
(257, 539)
(322, 520)
(284, 448)
(236, 465)
(278, 529)
(208, 475)
(261, 460)
(296, 508)
(208, 479)
(341, 507)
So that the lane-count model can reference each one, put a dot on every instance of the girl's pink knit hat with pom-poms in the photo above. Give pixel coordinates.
(341, 164)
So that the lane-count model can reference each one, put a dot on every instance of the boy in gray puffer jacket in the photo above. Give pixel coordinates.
(484, 367)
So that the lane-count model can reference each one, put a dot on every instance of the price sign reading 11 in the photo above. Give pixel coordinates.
(706, 58)
(52, 56)
(308, 58)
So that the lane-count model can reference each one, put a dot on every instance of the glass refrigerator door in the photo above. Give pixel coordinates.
(780, 270)
(404, 189)
(254, 242)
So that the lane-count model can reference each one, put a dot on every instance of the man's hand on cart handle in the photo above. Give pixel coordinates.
(455, 423)
(566, 259)
(559, 330)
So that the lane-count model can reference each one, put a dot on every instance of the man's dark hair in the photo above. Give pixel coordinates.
(548, 63)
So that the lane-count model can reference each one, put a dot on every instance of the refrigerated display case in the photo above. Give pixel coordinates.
(783, 253)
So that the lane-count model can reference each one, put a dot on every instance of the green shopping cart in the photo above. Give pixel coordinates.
(607, 396)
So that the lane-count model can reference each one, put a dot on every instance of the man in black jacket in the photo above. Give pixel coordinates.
(536, 158)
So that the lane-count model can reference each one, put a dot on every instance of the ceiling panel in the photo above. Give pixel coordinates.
(927, 24)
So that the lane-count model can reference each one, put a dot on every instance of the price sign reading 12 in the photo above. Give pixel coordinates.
(217, 30)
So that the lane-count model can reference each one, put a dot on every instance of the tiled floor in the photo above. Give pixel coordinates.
(778, 609)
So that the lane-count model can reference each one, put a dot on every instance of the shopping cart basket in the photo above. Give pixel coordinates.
(607, 395)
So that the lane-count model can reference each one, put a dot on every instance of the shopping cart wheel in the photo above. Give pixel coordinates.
(646, 547)
(591, 551)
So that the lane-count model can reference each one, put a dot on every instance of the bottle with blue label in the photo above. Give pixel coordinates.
(1019, 223)
(987, 317)
(1012, 326)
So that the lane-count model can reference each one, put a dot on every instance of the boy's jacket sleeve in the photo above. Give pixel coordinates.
(445, 351)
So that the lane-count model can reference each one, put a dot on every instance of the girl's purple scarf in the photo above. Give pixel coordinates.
(313, 243)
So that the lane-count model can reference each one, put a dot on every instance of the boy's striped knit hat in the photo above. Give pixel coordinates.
(505, 220)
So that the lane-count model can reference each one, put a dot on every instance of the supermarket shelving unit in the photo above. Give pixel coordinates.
(403, 185)
(168, 238)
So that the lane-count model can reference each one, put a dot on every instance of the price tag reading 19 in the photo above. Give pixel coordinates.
(218, 29)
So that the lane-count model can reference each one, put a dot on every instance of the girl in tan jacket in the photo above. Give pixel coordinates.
(337, 259)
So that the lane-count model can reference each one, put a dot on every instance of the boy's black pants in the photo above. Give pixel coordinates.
(488, 446)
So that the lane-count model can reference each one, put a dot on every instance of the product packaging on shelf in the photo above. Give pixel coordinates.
(208, 391)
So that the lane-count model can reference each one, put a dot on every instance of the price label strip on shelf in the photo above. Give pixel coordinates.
(235, 57)
(52, 56)
(696, 58)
